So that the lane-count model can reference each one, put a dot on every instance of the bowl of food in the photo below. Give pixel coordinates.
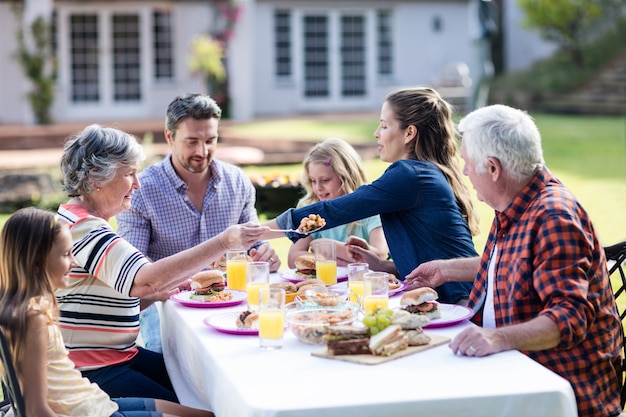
(309, 323)
(325, 297)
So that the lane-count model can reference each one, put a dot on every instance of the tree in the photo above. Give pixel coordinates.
(38, 64)
(569, 23)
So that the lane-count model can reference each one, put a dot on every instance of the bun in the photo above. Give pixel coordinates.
(205, 279)
(418, 296)
(312, 281)
(289, 287)
(305, 262)
(248, 320)
(220, 263)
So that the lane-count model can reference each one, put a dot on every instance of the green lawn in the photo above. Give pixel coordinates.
(587, 153)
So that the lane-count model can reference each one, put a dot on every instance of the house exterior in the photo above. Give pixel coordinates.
(121, 60)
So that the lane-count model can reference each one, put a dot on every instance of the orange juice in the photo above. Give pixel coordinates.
(357, 289)
(253, 293)
(236, 274)
(371, 302)
(327, 271)
(271, 324)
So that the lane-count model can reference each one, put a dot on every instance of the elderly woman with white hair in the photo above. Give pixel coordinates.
(100, 306)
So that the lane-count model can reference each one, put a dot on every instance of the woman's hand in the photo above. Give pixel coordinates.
(242, 236)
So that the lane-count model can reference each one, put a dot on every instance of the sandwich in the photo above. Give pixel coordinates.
(421, 301)
(388, 341)
(248, 320)
(207, 284)
(305, 266)
(347, 340)
(412, 325)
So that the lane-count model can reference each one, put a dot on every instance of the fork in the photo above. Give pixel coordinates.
(296, 231)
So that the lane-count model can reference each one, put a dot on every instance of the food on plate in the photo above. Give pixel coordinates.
(311, 222)
(289, 287)
(347, 340)
(417, 337)
(310, 325)
(323, 299)
(305, 266)
(220, 263)
(310, 282)
(209, 286)
(389, 341)
(409, 321)
(248, 320)
(421, 301)
(378, 320)
(393, 282)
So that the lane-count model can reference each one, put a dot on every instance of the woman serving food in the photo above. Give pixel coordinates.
(424, 205)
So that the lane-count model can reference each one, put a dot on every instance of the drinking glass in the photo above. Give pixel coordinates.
(376, 291)
(236, 261)
(326, 261)
(257, 278)
(355, 281)
(271, 317)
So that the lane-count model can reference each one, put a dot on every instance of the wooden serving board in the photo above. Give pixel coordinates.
(435, 340)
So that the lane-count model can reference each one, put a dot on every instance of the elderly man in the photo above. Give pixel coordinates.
(542, 284)
(189, 196)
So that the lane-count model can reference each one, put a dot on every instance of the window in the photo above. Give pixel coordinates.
(353, 63)
(282, 46)
(162, 45)
(385, 43)
(126, 58)
(316, 66)
(84, 58)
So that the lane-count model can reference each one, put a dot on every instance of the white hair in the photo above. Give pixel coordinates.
(505, 133)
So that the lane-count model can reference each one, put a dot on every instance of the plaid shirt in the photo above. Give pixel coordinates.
(550, 263)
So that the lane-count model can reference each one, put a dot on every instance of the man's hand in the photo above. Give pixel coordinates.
(265, 253)
(428, 274)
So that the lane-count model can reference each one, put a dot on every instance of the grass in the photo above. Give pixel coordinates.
(587, 153)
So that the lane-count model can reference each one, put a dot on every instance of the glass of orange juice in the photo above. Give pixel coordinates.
(271, 317)
(257, 278)
(376, 287)
(355, 281)
(236, 261)
(326, 261)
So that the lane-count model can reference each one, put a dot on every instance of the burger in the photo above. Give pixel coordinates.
(206, 284)
(305, 266)
(421, 301)
(347, 340)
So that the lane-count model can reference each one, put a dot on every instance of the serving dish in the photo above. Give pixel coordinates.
(309, 323)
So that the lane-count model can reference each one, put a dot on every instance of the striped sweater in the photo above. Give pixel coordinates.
(99, 319)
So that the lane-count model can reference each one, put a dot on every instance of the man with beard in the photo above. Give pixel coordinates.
(189, 196)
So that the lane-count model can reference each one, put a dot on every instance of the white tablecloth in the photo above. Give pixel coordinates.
(232, 376)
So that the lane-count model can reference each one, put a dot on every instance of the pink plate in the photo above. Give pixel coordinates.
(451, 314)
(183, 298)
(397, 290)
(290, 275)
(225, 323)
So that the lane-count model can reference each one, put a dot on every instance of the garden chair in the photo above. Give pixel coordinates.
(617, 254)
(10, 385)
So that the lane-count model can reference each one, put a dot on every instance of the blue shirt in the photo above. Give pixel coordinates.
(163, 221)
(421, 218)
(361, 228)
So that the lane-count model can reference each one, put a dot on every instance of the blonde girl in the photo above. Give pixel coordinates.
(332, 169)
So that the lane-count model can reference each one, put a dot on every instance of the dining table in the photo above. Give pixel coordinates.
(230, 375)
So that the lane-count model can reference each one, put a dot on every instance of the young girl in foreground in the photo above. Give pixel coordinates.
(35, 259)
(333, 169)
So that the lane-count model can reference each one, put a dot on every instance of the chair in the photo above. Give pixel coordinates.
(10, 385)
(617, 254)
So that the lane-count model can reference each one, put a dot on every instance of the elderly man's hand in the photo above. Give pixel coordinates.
(428, 274)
